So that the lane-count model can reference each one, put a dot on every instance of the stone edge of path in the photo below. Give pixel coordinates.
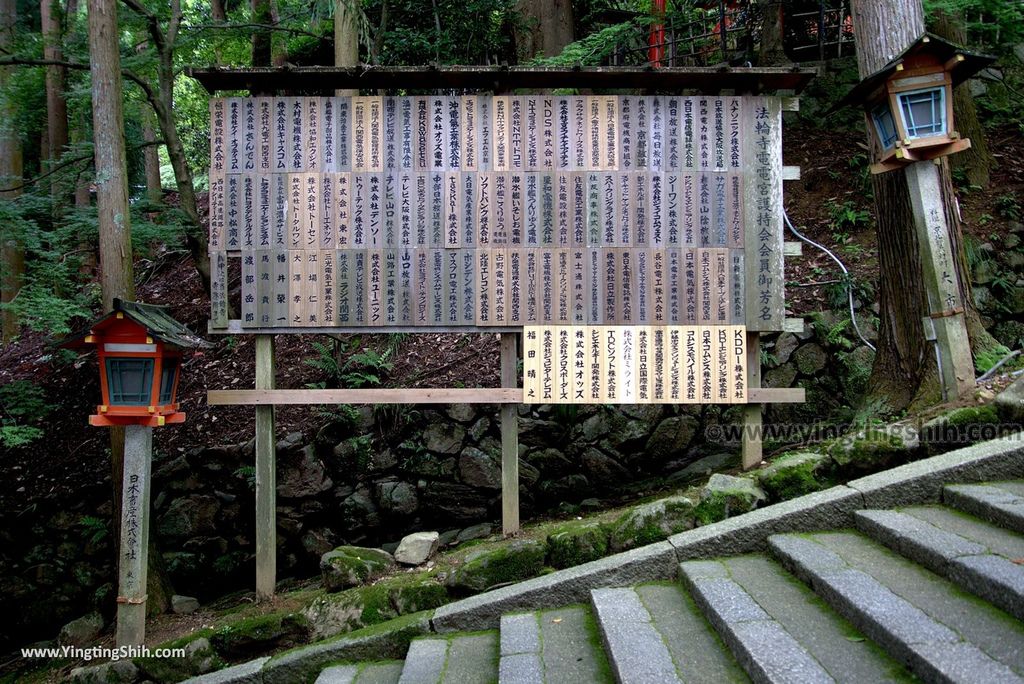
(918, 482)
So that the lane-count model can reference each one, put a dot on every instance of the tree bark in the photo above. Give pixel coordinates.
(976, 162)
(771, 52)
(219, 17)
(346, 38)
(904, 373)
(56, 105)
(547, 27)
(279, 46)
(151, 156)
(161, 99)
(261, 38)
(12, 253)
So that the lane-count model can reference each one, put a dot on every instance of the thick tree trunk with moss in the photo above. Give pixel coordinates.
(261, 37)
(546, 27)
(12, 253)
(771, 52)
(905, 370)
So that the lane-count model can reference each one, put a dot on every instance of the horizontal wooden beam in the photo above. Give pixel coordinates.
(322, 79)
(790, 173)
(791, 104)
(474, 395)
(792, 248)
(235, 328)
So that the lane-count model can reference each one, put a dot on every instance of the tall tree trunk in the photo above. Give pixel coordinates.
(151, 157)
(976, 162)
(905, 371)
(772, 36)
(56, 105)
(547, 27)
(12, 252)
(346, 38)
(261, 37)
(279, 45)
(116, 277)
(219, 17)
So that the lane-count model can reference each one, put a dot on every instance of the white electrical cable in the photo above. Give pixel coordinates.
(849, 282)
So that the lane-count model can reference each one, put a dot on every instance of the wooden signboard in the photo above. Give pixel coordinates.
(653, 220)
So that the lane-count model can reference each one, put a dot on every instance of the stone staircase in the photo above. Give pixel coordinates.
(929, 592)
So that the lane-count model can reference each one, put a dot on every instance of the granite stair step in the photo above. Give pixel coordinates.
(636, 650)
(459, 659)
(977, 556)
(936, 630)
(698, 652)
(999, 502)
(551, 646)
(768, 651)
(383, 672)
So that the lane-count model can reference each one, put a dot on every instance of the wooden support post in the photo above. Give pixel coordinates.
(945, 301)
(266, 475)
(509, 439)
(134, 551)
(751, 440)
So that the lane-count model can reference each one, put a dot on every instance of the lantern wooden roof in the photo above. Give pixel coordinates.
(155, 319)
(959, 62)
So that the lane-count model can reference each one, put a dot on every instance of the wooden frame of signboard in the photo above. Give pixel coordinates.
(265, 396)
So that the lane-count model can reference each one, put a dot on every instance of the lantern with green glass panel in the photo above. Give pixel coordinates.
(909, 102)
(140, 351)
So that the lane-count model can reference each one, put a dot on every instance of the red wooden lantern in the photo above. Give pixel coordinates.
(140, 349)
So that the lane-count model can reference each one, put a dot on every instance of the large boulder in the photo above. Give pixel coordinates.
(251, 637)
(184, 605)
(604, 470)
(300, 474)
(81, 631)
(116, 672)
(189, 516)
(810, 358)
(870, 450)
(576, 544)
(350, 566)
(785, 345)
(1010, 402)
(795, 474)
(398, 498)
(443, 438)
(417, 548)
(486, 568)
(726, 495)
(652, 522)
(479, 469)
(670, 439)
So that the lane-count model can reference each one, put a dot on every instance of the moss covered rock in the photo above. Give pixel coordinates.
(961, 427)
(413, 593)
(253, 636)
(200, 657)
(652, 522)
(725, 496)
(577, 544)
(349, 610)
(868, 451)
(487, 568)
(795, 474)
(350, 566)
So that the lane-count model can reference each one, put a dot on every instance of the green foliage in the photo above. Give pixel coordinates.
(1008, 206)
(837, 292)
(364, 368)
(247, 473)
(847, 216)
(985, 359)
(23, 407)
(995, 25)
(595, 48)
(94, 530)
